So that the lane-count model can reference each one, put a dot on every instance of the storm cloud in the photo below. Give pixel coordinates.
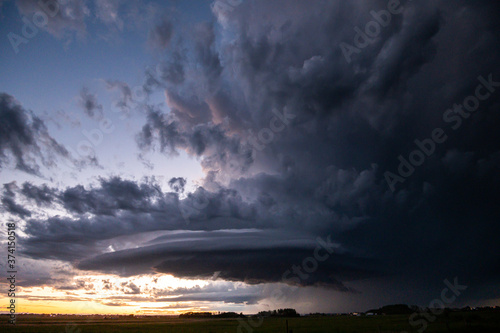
(25, 139)
(296, 140)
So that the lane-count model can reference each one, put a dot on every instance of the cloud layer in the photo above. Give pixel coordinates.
(295, 141)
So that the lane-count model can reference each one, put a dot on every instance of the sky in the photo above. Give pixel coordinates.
(158, 157)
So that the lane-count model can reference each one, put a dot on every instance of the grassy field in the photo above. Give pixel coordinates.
(484, 322)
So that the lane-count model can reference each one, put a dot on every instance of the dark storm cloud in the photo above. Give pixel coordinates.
(25, 137)
(252, 257)
(9, 189)
(89, 104)
(323, 173)
(177, 184)
(120, 208)
(113, 195)
(9, 204)
(12, 207)
(42, 195)
(115, 198)
(351, 122)
(148, 209)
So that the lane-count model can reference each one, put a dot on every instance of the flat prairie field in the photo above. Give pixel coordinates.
(483, 322)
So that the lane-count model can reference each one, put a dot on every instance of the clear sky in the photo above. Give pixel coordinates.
(237, 155)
